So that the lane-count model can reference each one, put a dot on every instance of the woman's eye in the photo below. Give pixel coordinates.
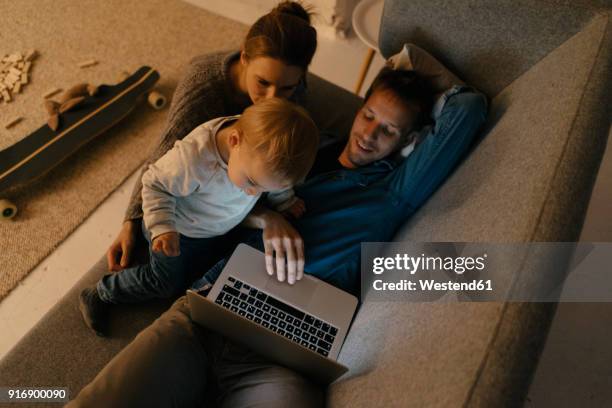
(263, 83)
(368, 115)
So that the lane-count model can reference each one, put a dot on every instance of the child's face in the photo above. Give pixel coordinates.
(249, 172)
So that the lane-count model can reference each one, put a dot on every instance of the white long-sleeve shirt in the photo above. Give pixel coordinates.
(188, 190)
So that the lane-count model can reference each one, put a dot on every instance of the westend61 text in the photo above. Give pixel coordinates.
(432, 285)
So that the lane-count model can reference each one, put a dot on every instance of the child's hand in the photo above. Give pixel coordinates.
(297, 209)
(167, 243)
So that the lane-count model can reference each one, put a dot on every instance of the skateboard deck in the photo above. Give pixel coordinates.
(41, 151)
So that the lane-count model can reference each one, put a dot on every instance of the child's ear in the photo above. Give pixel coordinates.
(234, 138)
(243, 58)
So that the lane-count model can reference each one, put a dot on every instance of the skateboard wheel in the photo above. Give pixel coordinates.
(156, 100)
(7, 209)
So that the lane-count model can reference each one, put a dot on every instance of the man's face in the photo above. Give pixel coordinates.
(378, 128)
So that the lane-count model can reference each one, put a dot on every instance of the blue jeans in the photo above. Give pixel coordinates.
(165, 276)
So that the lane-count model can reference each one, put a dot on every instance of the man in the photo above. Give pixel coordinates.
(356, 192)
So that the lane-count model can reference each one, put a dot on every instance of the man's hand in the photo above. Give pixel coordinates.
(119, 254)
(296, 210)
(167, 243)
(283, 242)
(280, 240)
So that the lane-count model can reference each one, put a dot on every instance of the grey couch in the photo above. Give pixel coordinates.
(545, 65)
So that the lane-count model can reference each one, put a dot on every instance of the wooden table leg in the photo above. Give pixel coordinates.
(364, 69)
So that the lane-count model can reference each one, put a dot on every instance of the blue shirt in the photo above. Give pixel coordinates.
(349, 206)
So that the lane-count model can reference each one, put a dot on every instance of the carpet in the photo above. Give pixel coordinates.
(122, 36)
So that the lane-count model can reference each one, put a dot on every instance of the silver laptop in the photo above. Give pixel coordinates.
(301, 326)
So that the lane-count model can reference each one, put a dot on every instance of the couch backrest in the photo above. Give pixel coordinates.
(530, 178)
(486, 42)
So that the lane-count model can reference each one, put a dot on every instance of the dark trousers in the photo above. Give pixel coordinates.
(177, 363)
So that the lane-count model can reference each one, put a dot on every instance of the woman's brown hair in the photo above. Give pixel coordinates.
(284, 33)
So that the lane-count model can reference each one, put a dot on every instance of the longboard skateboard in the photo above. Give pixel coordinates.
(39, 152)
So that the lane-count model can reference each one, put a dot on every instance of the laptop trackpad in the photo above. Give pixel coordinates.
(299, 293)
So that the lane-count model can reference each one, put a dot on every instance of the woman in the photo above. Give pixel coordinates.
(273, 61)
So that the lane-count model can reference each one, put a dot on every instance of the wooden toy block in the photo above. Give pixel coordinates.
(51, 92)
(24, 78)
(88, 63)
(71, 103)
(30, 55)
(51, 106)
(10, 79)
(14, 57)
(13, 122)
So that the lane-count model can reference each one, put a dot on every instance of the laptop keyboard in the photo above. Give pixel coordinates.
(277, 316)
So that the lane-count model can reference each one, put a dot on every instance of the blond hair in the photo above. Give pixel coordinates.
(284, 134)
